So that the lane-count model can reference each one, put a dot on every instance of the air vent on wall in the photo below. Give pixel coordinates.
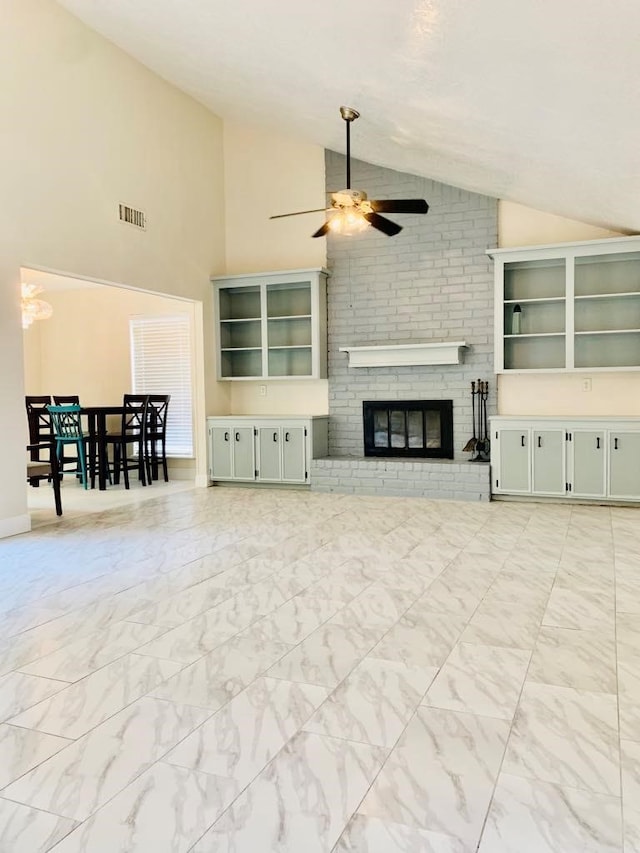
(132, 216)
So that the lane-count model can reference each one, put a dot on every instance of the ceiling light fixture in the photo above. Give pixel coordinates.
(348, 223)
(32, 308)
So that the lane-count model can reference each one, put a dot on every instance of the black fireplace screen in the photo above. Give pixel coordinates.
(412, 428)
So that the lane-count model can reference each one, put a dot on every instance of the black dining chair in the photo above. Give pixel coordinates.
(40, 432)
(46, 469)
(130, 439)
(156, 437)
(68, 400)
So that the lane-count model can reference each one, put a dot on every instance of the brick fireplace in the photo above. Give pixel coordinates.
(431, 282)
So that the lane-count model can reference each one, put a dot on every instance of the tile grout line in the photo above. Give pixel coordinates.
(615, 635)
(524, 681)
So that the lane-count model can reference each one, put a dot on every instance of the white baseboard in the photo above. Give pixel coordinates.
(15, 525)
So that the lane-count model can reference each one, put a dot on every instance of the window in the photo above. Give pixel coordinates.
(161, 364)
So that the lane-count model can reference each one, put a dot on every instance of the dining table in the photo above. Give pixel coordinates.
(97, 424)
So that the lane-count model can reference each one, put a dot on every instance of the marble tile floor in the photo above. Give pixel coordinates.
(270, 671)
(78, 502)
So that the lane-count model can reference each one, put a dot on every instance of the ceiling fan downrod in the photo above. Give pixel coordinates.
(349, 115)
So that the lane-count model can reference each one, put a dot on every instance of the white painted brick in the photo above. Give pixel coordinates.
(432, 281)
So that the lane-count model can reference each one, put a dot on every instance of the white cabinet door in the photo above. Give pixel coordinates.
(220, 453)
(624, 465)
(294, 467)
(548, 462)
(244, 459)
(514, 461)
(588, 452)
(269, 453)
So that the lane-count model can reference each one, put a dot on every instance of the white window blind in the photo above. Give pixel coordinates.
(161, 364)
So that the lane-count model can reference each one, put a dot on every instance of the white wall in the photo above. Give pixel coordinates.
(524, 226)
(84, 127)
(612, 393)
(266, 174)
(84, 348)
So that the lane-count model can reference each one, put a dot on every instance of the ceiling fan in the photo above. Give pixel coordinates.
(352, 211)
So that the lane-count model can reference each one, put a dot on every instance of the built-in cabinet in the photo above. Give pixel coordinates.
(231, 451)
(272, 325)
(270, 449)
(591, 458)
(568, 307)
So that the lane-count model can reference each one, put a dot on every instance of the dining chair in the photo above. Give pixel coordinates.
(66, 400)
(132, 434)
(91, 451)
(156, 437)
(46, 469)
(40, 432)
(67, 429)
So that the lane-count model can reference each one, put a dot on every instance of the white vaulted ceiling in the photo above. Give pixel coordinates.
(536, 101)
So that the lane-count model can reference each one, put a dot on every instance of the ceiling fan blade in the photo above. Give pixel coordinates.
(400, 205)
(382, 224)
(299, 213)
(322, 230)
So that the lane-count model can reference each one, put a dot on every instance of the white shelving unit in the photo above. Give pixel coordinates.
(579, 307)
(272, 325)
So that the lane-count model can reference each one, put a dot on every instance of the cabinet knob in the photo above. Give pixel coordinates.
(598, 443)
(275, 436)
(522, 440)
(286, 436)
(237, 436)
(539, 441)
(615, 443)
(226, 436)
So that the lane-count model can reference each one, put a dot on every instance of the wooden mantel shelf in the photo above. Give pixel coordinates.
(405, 355)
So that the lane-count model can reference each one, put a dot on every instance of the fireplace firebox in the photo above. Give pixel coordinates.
(410, 428)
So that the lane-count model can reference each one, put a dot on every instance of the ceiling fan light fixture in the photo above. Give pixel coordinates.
(348, 222)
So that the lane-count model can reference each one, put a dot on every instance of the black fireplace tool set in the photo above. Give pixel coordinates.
(478, 445)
